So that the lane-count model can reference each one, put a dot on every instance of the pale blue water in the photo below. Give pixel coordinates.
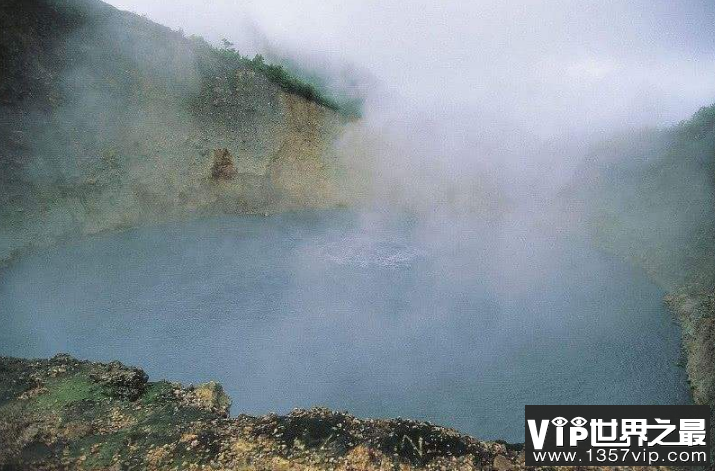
(450, 320)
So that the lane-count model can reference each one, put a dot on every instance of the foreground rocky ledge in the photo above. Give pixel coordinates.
(63, 413)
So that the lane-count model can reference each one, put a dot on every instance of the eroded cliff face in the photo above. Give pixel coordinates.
(111, 121)
(298, 169)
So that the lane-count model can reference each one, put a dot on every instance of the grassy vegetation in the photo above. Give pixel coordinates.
(67, 391)
(157, 393)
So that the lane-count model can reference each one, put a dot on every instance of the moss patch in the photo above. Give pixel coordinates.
(64, 392)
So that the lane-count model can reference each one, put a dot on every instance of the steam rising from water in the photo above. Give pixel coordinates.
(485, 319)
(470, 107)
(483, 99)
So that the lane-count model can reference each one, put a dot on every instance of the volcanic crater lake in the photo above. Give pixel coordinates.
(445, 319)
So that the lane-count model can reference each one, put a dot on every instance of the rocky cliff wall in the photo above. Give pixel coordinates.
(109, 121)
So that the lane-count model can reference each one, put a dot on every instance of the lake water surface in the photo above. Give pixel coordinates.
(450, 320)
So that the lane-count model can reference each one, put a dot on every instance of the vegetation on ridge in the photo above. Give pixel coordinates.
(275, 73)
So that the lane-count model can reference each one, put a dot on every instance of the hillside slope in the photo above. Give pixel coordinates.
(650, 198)
(108, 120)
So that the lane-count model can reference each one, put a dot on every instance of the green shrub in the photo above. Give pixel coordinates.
(278, 75)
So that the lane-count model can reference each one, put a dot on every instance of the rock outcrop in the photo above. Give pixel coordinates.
(223, 167)
(210, 397)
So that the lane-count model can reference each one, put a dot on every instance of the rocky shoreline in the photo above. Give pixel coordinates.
(63, 413)
(695, 310)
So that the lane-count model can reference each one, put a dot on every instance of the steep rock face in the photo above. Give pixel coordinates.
(108, 120)
(297, 167)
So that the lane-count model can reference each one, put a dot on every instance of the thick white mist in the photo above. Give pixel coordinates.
(505, 91)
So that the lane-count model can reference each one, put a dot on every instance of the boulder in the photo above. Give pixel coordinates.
(210, 397)
(120, 381)
(502, 463)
